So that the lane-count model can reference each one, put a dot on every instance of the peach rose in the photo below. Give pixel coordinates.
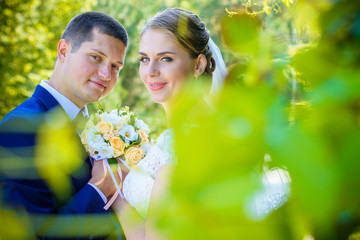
(106, 136)
(143, 135)
(104, 127)
(90, 150)
(116, 133)
(118, 146)
(133, 155)
(83, 137)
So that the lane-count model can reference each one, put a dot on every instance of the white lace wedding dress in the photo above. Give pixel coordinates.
(139, 182)
(274, 192)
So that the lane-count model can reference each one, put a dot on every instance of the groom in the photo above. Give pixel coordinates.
(90, 55)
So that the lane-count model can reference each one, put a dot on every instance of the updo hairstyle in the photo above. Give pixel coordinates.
(188, 29)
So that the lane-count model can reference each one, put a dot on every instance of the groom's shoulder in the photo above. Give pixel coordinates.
(25, 118)
(32, 109)
(29, 110)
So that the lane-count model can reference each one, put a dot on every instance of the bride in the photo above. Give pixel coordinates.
(175, 47)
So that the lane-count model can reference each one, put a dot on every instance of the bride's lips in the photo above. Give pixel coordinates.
(98, 84)
(155, 86)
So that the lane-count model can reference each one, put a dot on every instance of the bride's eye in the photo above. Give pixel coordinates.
(166, 59)
(144, 59)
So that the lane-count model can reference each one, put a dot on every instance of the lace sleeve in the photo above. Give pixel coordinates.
(274, 192)
(166, 143)
(160, 154)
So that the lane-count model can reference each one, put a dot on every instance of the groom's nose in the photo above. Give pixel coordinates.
(104, 72)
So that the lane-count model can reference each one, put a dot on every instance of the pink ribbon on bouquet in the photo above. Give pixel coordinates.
(107, 167)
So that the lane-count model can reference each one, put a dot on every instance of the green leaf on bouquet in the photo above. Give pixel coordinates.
(118, 107)
(132, 120)
(112, 161)
(122, 138)
(95, 118)
(100, 106)
(126, 109)
(136, 142)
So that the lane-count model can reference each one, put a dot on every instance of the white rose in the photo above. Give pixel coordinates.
(94, 139)
(140, 124)
(112, 117)
(114, 111)
(105, 151)
(128, 133)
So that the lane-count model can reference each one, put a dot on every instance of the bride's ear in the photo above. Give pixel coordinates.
(64, 48)
(200, 65)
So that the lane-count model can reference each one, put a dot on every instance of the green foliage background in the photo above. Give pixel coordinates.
(29, 33)
(292, 92)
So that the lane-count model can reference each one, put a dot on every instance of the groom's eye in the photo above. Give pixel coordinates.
(116, 68)
(96, 58)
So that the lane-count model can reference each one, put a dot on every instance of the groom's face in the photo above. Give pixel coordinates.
(92, 71)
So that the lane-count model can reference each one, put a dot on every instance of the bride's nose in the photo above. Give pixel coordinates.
(153, 69)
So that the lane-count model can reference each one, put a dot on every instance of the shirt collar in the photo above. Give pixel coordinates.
(69, 107)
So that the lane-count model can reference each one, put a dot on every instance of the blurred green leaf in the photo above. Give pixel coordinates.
(240, 33)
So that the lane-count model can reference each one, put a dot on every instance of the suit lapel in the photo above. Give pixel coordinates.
(83, 174)
(47, 100)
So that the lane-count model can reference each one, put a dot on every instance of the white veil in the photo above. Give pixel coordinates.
(220, 72)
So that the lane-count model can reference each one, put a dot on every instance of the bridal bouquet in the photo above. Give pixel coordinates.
(116, 136)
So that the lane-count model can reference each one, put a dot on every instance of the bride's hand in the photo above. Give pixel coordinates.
(120, 204)
(132, 223)
(124, 170)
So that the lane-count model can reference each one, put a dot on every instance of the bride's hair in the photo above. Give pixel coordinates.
(188, 29)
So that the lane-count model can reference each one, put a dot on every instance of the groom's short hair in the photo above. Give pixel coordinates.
(80, 28)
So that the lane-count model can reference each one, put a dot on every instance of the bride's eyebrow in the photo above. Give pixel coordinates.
(159, 54)
(166, 52)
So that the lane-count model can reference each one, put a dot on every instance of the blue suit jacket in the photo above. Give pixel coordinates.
(81, 214)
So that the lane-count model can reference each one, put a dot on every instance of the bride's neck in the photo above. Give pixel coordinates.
(167, 109)
(202, 103)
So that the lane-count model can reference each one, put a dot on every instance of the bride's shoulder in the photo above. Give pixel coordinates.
(165, 143)
(166, 139)
(167, 134)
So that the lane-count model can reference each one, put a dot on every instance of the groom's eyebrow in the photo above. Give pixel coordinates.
(97, 50)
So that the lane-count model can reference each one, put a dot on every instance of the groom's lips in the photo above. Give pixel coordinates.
(154, 86)
(98, 84)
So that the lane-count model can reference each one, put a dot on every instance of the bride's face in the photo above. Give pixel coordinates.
(164, 64)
